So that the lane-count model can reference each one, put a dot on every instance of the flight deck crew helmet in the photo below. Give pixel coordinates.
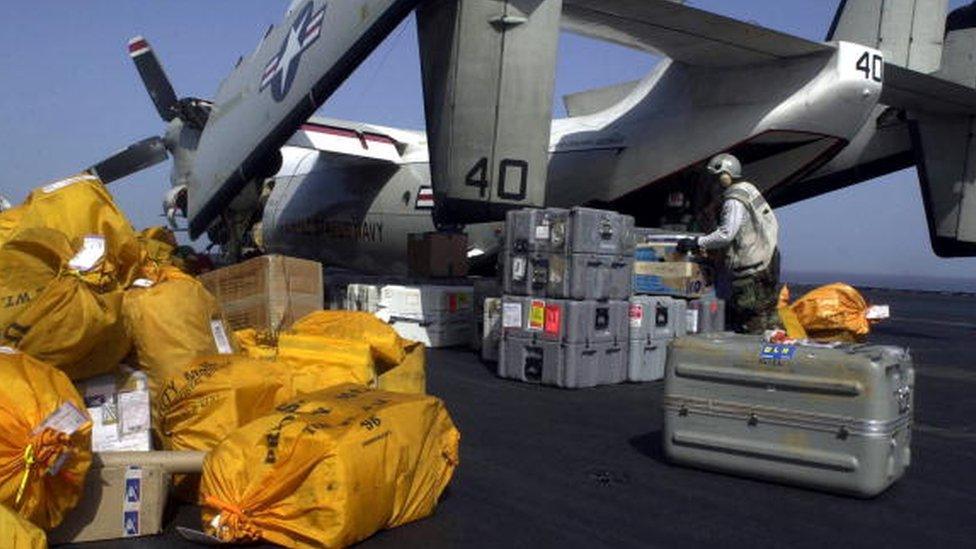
(725, 163)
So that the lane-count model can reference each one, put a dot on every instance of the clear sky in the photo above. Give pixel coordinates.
(71, 96)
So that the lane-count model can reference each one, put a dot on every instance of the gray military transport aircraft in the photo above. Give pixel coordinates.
(891, 87)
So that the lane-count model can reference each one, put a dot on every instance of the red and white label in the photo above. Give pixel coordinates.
(636, 316)
(554, 319)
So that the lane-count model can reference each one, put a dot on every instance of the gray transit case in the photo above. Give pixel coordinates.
(575, 276)
(565, 343)
(654, 322)
(567, 365)
(835, 419)
(579, 230)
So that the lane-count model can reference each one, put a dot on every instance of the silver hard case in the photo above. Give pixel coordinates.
(541, 230)
(570, 321)
(646, 359)
(835, 419)
(571, 366)
(657, 317)
(560, 231)
(575, 276)
(591, 231)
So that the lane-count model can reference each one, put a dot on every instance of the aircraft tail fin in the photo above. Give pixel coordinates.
(909, 32)
(958, 64)
(945, 152)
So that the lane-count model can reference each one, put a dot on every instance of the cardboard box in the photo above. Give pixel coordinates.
(124, 496)
(684, 279)
(120, 411)
(267, 293)
(660, 270)
(437, 255)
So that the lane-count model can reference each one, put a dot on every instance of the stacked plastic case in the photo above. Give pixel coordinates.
(437, 316)
(672, 297)
(362, 297)
(487, 318)
(564, 313)
(569, 254)
(654, 322)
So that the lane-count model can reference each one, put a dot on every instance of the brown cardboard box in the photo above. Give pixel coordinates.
(124, 496)
(438, 255)
(660, 270)
(267, 293)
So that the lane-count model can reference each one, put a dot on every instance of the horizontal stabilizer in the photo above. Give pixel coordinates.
(688, 35)
(914, 91)
(594, 101)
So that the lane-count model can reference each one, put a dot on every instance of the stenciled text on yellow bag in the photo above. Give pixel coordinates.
(329, 469)
(171, 320)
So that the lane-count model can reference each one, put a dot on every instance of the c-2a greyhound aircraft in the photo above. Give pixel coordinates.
(892, 86)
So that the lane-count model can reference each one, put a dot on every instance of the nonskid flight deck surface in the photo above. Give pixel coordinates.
(546, 467)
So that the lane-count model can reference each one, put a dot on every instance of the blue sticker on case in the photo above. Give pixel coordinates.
(777, 352)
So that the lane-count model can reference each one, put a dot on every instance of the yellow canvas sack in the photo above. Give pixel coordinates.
(172, 320)
(410, 376)
(316, 362)
(79, 206)
(255, 344)
(330, 469)
(45, 447)
(158, 245)
(9, 223)
(19, 533)
(835, 312)
(28, 263)
(214, 395)
(73, 327)
(386, 344)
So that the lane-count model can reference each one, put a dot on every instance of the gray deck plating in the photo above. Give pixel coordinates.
(554, 468)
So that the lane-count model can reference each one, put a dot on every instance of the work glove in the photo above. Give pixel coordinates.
(688, 245)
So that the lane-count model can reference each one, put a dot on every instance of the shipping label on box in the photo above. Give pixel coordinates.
(684, 279)
(120, 411)
(118, 501)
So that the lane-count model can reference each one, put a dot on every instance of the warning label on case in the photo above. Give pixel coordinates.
(537, 315)
(512, 315)
(554, 319)
(636, 316)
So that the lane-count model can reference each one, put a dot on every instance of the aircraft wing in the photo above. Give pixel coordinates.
(685, 34)
(271, 93)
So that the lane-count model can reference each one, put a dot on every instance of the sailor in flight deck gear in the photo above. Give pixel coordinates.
(748, 232)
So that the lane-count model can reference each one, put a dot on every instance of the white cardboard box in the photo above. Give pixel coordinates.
(120, 412)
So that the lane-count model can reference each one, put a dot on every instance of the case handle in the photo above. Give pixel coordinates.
(779, 379)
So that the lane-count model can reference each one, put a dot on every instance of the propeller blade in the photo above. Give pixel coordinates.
(134, 158)
(154, 78)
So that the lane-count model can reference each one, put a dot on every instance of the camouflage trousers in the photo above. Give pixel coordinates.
(753, 303)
